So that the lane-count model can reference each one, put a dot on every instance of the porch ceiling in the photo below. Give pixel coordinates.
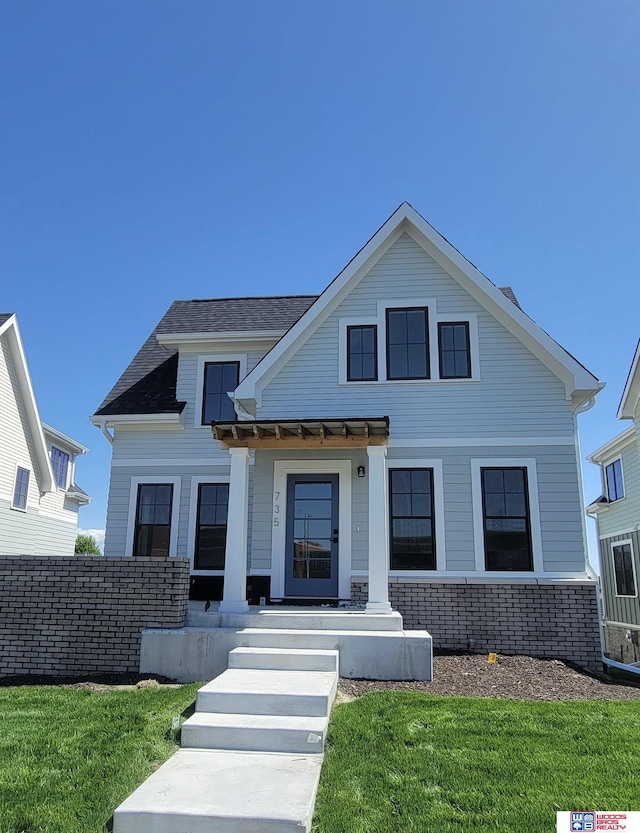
(307, 433)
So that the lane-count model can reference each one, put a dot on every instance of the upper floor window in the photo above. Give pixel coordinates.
(219, 378)
(21, 489)
(60, 464)
(613, 476)
(506, 519)
(362, 353)
(407, 343)
(412, 519)
(623, 568)
(153, 519)
(454, 349)
(211, 526)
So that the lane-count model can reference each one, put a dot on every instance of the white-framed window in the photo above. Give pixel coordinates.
(206, 537)
(154, 504)
(624, 568)
(506, 515)
(216, 377)
(413, 344)
(416, 516)
(614, 481)
(21, 488)
(60, 464)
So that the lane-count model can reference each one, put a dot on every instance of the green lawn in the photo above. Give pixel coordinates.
(68, 757)
(401, 761)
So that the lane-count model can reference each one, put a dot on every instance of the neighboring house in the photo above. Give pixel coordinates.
(617, 514)
(39, 499)
(410, 430)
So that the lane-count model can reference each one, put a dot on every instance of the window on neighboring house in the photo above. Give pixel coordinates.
(211, 526)
(613, 476)
(153, 519)
(362, 353)
(219, 377)
(507, 525)
(412, 526)
(455, 353)
(60, 464)
(407, 343)
(21, 489)
(623, 568)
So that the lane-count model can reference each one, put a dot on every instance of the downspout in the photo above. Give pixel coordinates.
(581, 409)
(103, 428)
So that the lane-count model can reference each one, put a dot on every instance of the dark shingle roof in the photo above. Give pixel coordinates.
(510, 294)
(148, 385)
(4, 317)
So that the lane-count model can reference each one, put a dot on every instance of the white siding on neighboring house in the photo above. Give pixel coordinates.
(517, 394)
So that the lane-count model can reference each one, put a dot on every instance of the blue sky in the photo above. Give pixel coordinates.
(159, 150)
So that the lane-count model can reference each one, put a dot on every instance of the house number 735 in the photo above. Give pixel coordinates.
(276, 509)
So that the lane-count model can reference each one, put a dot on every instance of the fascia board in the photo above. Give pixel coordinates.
(266, 369)
(12, 333)
(8, 323)
(631, 389)
(175, 339)
(540, 343)
(169, 420)
(613, 447)
(63, 439)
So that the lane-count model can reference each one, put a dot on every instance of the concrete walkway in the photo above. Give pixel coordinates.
(251, 754)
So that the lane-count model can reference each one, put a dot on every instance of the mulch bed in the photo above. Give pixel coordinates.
(511, 677)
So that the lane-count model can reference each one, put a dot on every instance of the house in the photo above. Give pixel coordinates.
(39, 498)
(405, 440)
(617, 515)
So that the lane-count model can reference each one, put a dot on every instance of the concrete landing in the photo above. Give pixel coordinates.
(198, 791)
(298, 619)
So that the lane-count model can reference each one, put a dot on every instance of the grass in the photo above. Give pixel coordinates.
(403, 761)
(68, 756)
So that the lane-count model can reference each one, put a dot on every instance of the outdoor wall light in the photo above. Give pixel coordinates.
(361, 471)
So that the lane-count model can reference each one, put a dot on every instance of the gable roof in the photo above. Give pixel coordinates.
(631, 391)
(148, 384)
(10, 331)
(580, 384)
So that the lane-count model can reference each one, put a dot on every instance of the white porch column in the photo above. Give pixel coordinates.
(234, 597)
(378, 532)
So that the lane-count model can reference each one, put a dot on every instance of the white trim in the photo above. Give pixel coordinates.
(175, 481)
(631, 390)
(534, 508)
(614, 447)
(626, 531)
(470, 577)
(175, 339)
(343, 325)
(281, 468)
(12, 495)
(579, 383)
(626, 625)
(438, 508)
(455, 442)
(59, 437)
(196, 480)
(612, 545)
(213, 358)
(605, 482)
(144, 422)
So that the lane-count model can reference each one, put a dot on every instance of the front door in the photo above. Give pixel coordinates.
(311, 558)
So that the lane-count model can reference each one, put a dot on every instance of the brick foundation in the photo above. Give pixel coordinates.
(79, 615)
(559, 619)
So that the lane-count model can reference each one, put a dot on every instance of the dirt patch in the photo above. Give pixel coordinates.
(511, 677)
(105, 682)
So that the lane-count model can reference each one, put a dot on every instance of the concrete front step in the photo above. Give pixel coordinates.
(255, 733)
(249, 691)
(284, 659)
(321, 619)
(206, 791)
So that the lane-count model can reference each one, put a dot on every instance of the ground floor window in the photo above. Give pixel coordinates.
(623, 568)
(411, 521)
(211, 526)
(507, 523)
(153, 519)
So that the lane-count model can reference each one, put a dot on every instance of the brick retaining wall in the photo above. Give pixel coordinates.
(559, 619)
(79, 615)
